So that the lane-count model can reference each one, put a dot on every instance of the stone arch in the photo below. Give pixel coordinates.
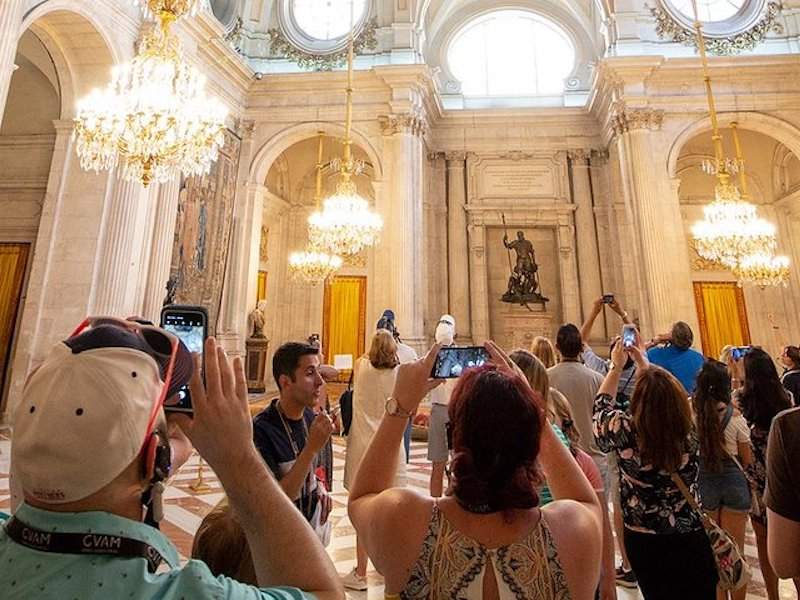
(774, 127)
(286, 138)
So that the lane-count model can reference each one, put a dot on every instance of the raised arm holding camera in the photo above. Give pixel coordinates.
(435, 548)
(91, 442)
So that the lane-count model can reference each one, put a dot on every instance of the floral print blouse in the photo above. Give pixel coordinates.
(651, 502)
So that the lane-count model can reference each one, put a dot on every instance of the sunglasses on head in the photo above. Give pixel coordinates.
(161, 343)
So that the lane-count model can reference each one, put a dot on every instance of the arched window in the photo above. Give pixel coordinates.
(511, 53)
(327, 20)
(710, 11)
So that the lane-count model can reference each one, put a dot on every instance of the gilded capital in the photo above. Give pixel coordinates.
(412, 123)
(624, 119)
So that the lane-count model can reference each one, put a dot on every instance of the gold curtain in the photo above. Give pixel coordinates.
(13, 258)
(723, 317)
(261, 290)
(343, 317)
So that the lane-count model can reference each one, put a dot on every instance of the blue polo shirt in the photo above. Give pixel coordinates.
(26, 573)
(683, 364)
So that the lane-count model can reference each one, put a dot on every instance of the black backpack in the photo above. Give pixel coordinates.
(346, 406)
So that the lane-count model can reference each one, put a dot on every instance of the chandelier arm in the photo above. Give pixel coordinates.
(347, 166)
(719, 155)
(740, 161)
(318, 192)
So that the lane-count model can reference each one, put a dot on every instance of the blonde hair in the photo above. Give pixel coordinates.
(725, 353)
(542, 349)
(220, 542)
(536, 374)
(383, 350)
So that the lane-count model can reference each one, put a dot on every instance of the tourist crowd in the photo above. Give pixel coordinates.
(538, 454)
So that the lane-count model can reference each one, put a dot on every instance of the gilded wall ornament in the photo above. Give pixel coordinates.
(667, 27)
(282, 46)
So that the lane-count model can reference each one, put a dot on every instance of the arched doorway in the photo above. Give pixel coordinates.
(729, 314)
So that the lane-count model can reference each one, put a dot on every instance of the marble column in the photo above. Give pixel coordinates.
(166, 210)
(10, 22)
(113, 288)
(403, 225)
(588, 257)
(458, 248)
(664, 269)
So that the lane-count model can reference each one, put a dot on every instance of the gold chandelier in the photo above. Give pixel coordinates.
(731, 229)
(154, 120)
(314, 264)
(763, 270)
(346, 225)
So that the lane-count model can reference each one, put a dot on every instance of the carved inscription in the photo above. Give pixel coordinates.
(515, 180)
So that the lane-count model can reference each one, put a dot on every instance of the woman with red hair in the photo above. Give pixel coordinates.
(487, 538)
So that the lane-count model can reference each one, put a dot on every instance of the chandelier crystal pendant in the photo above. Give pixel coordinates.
(731, 229)
(314, 264)
(154, 120)
(346, 225)
(763, 270)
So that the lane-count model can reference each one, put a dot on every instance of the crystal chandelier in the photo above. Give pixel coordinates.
(763, 270)
(313, 264)
(731, 229)
(154, 120)
(312, 267)
(346, 225)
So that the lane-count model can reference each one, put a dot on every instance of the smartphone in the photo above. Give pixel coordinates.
(628, 336)
(190, 324)
(608, 298)
(738, 352)
(452, 361)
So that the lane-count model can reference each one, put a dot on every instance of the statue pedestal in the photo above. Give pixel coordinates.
(522, 325)
(256, 364)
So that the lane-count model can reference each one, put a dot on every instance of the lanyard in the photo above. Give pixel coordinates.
(296, 450)
(83, 543)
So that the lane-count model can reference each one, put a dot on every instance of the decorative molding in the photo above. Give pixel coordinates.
(669, 28)
(281, 46)
(624, 119)
(579, 155)
(516, 155)
(599, 157)
(456, 157)
(403, 123)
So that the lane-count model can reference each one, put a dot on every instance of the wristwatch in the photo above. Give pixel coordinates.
(393, 409)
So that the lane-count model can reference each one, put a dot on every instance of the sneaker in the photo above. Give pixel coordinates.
(626, 579)
(354, 581)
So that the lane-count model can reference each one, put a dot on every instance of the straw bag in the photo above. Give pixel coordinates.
(732, 568)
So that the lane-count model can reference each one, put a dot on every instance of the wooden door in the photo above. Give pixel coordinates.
(722, 315)
(344, 312)
(13, 261)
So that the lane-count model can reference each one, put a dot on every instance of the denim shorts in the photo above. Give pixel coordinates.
(727, 488)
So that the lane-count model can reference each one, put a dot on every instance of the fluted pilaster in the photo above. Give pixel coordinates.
(114, 292)
(166, 210)
(10, 22)
(585, 230)
(458, 251)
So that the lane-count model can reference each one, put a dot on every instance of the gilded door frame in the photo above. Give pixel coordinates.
(741, 308)
(362, 314)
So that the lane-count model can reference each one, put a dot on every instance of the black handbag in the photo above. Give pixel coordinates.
(346, 406)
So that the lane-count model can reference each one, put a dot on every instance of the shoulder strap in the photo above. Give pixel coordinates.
(676, 479)
(727, 418)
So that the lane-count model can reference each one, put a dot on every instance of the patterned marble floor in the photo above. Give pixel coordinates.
(186, 506)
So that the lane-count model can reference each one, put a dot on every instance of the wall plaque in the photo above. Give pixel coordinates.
(515, 180)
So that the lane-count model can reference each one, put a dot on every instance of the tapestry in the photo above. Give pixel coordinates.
(202, 233)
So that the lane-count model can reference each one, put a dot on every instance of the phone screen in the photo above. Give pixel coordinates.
(452, 361)
(739, 352)
(608, 298)
(628, 336)
(190, 325)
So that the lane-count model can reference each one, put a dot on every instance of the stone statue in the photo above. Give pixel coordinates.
(172, 288)
(523, 284)
(257, 319)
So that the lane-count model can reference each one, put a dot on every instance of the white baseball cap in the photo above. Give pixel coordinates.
(87, 413)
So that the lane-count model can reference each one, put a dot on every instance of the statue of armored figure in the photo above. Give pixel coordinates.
(523, 284)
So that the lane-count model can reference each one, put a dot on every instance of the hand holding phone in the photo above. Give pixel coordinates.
(608, 298)
(628, 336)
(190, 325)
(452, 361)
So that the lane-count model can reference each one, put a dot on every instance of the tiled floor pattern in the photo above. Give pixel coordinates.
(185, 508)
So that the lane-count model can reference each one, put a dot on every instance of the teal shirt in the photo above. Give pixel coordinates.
(26, 573)
(545, 496)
